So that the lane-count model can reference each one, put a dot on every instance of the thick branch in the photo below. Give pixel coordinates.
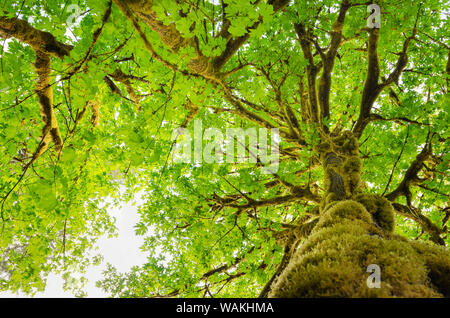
(426, 224)
(39, 40)
(411, 176)
(402, 62)
(311, 70)
(328, 60)
(398, 120)
(45, 45)
(233, 45)
(300, 194)
(371, 87)
(123, 6)
(169, 35)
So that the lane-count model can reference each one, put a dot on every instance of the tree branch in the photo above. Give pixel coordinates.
(423, 221)
(311, 69)
(45, 45)
(411, 175)
(233, 45)
(372, 88)
(328, 60)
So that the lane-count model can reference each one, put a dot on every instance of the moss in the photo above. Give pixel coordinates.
(333, 261)
(95, 107)
(350, 146)
(322, 147)
(437, 260)
(337, 267)
(140, 5)
(352, 164)
(352, 234)
(328, 172)
(44, 45)
(339, 140)
(352, 174)
(342, 160)
(346, 143)
(331, 197)
(337, 211)
(380, 208)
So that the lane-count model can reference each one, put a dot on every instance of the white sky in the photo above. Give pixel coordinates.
(122, 252)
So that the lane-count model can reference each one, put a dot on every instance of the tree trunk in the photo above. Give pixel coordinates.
(354, 235)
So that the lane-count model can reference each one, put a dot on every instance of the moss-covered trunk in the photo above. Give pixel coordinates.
(354, 231)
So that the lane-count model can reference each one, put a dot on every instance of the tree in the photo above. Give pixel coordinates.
(361, 181)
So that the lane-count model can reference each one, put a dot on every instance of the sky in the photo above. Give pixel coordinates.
(122, 252)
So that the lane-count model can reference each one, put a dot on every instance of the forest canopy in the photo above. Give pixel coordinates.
(96, 96)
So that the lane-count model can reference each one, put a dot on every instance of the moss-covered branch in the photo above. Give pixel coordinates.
(312, 70)
(123, 78)
(45, 45)
(411, 175)
(233, 44)
(414, 214)
(372, 87)
(328, 59)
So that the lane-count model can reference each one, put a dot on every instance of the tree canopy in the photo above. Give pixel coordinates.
(92, 91)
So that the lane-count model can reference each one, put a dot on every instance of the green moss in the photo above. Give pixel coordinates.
(331, 197)
(437, 260)
(380, 208)
(322, 147)
(328, 172)
(352, 234)
(351, 172)
(346, 144)
(349, 210)
(350, 146)
(352, 164)
(339, 140)
(343, 160)
(333, 261)
(144, 6)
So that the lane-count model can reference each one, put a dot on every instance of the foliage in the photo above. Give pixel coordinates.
(136, 70)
